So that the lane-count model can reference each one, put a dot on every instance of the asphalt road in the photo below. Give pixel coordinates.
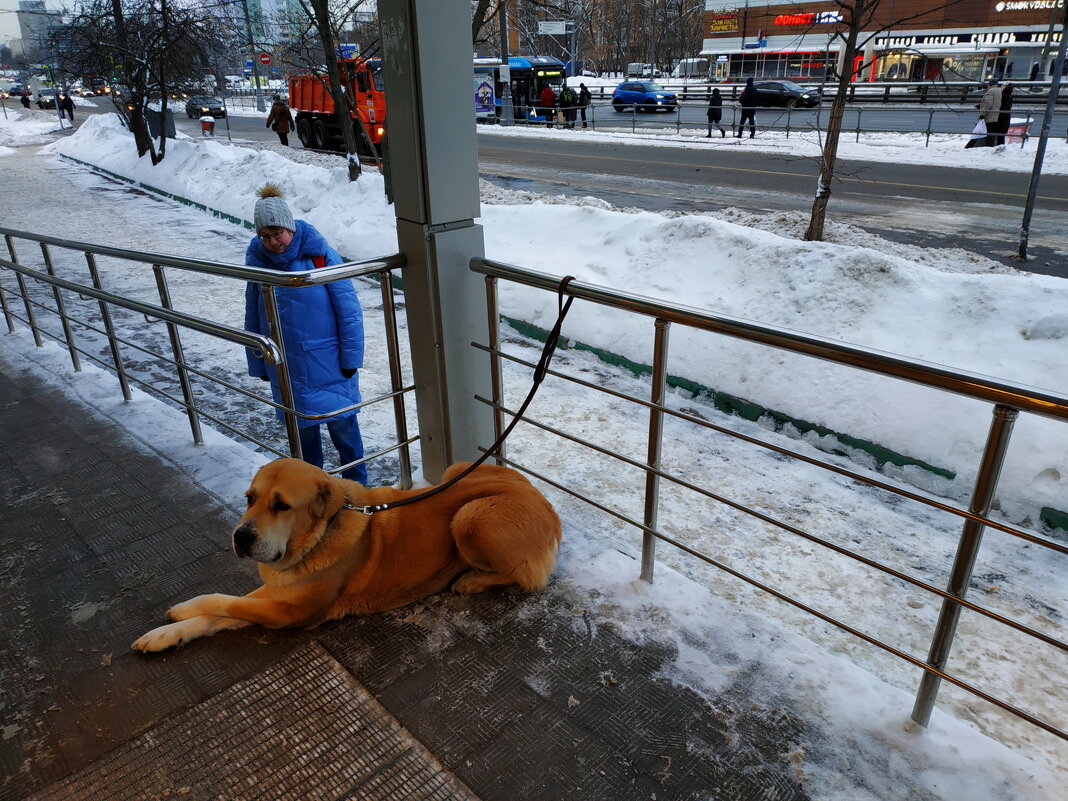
(926, 205)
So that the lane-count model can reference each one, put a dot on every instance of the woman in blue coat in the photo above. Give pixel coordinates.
(322, 327)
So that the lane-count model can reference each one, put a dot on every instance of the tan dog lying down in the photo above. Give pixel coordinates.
(320, 561)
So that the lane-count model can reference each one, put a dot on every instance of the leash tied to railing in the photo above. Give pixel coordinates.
(542, 368)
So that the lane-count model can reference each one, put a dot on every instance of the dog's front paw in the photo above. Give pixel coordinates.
(160, 639)
(194, 607)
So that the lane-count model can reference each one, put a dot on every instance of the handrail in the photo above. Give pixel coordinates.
(973, 385)
(265, 346)
(259, 275)
(1008, 400)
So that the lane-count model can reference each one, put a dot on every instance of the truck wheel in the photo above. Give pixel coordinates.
(304, 131)
(318, 135)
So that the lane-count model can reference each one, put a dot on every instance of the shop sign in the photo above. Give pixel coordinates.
(821, 18)
(1027, 5)
(723, 23)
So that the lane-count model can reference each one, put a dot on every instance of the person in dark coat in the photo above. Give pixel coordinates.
(568, 105)
(1006, 114)
(748, 102)
(280, 120)
(322, 328)
(715, 113)
(548, 105)
(25, 101)
(584, 99)
(66, 104)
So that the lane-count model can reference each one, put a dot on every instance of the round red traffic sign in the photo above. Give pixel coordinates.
(265, 58)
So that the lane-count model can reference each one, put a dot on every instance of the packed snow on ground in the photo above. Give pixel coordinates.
(862, 746)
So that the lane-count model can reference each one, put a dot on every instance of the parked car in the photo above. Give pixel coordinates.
(643, 96)
(786, 94)
(201, 105)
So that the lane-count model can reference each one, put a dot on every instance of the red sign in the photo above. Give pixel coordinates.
(265, 58)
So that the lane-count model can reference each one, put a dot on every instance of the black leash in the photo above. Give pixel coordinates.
(539, 375)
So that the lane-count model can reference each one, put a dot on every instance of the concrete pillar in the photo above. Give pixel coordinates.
(430, 124)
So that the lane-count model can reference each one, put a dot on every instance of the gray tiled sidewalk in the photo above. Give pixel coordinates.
(519, 697)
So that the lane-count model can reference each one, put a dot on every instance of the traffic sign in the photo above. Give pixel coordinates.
(265, 58)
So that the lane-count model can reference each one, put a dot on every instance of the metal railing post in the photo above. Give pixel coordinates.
(493, 327)
(634, 119)
(113, 342)
(179, 357)
(656, 440)
(400, 420)
(31, 320)
(930, 125)
(967, 549)
(67, 332)
(3, 302)
(285, 388)
(860, 113)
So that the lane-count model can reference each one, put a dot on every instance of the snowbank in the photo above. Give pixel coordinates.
(960, 311)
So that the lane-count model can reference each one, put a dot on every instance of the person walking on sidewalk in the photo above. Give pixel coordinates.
(280, 120)
(748, 102)
(25, 101)
(1005, 117)
(322, 328)
(715, 113)
(989, 110)
(66, 104)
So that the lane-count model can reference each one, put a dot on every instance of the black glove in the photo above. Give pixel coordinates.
(348, 373)
(264, 378)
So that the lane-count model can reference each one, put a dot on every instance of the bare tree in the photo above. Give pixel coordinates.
(320, 33)
(857, 16)
(148, 47)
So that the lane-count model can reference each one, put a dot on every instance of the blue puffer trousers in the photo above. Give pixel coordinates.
(322, 327)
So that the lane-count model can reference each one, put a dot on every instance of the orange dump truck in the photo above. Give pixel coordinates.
(317, 126)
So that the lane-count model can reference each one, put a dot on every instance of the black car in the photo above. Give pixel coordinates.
(204, 105)
(786, 94)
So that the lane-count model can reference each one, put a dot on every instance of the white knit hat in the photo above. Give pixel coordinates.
(272, 211)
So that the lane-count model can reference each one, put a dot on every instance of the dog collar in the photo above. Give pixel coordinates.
(367, 510)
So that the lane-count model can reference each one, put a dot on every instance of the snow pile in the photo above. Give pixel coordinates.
(948, 309)
(861, 747)
(27, 126)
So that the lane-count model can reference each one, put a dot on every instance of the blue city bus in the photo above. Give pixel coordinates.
(529, 75)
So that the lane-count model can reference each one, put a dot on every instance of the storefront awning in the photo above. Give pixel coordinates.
(763, 51)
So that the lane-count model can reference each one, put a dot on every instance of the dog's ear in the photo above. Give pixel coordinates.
(324, 493)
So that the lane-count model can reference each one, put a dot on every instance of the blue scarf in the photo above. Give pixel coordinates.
(307, 242)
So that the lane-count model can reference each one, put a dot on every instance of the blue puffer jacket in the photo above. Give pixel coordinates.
(322, 327)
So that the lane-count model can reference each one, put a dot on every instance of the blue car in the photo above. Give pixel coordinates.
(643, 96)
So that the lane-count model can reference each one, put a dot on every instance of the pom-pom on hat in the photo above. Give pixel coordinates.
(272, 211)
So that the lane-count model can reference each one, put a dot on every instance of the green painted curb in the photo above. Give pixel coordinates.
(747, 410)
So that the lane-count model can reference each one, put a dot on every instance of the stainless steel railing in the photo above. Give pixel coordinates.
(184, 370)
(1008, 401)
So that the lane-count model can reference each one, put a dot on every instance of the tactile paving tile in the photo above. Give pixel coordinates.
(302, 729)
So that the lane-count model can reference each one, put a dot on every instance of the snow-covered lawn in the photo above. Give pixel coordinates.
(949, 307)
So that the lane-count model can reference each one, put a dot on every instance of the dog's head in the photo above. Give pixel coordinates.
(289, 503)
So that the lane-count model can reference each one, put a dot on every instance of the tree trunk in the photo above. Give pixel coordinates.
(829, 156)
(341, 106)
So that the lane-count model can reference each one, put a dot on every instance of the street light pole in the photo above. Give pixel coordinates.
(252, 57)
(507, 113)
(1047, 122)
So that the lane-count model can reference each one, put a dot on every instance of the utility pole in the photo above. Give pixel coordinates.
(1047, 122)
(507, 112)
(253, 59)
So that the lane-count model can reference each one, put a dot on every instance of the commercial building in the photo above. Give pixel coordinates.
(906, 40)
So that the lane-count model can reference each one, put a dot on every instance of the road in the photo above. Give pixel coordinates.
(924, 205)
